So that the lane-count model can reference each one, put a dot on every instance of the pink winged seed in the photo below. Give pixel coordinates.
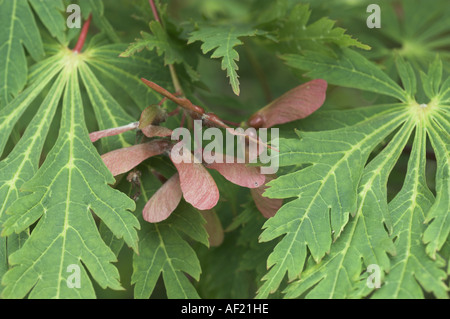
(213, 227)
(154, 130)
(295, 104)
(164, 201)
(124, 159)
(198, 187)
(268, 207)
(237, 173)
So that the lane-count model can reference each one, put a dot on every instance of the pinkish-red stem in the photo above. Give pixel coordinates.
(83, 35)
(155, 11)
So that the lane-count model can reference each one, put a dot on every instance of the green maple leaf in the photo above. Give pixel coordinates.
(411, 265)
(61, 195)
(339, 180)
(223, 39)
(72, 181)
(297, 34)
(160, 40)
(290, 25)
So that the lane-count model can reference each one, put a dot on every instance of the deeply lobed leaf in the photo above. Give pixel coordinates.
(223, 39)
(60, 196)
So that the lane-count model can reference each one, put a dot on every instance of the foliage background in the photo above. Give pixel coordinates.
(276, 47)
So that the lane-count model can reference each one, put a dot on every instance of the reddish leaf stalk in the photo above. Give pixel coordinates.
(83, 34)
(154, 10)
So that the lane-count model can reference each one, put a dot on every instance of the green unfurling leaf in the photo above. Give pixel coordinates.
(223, 39)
